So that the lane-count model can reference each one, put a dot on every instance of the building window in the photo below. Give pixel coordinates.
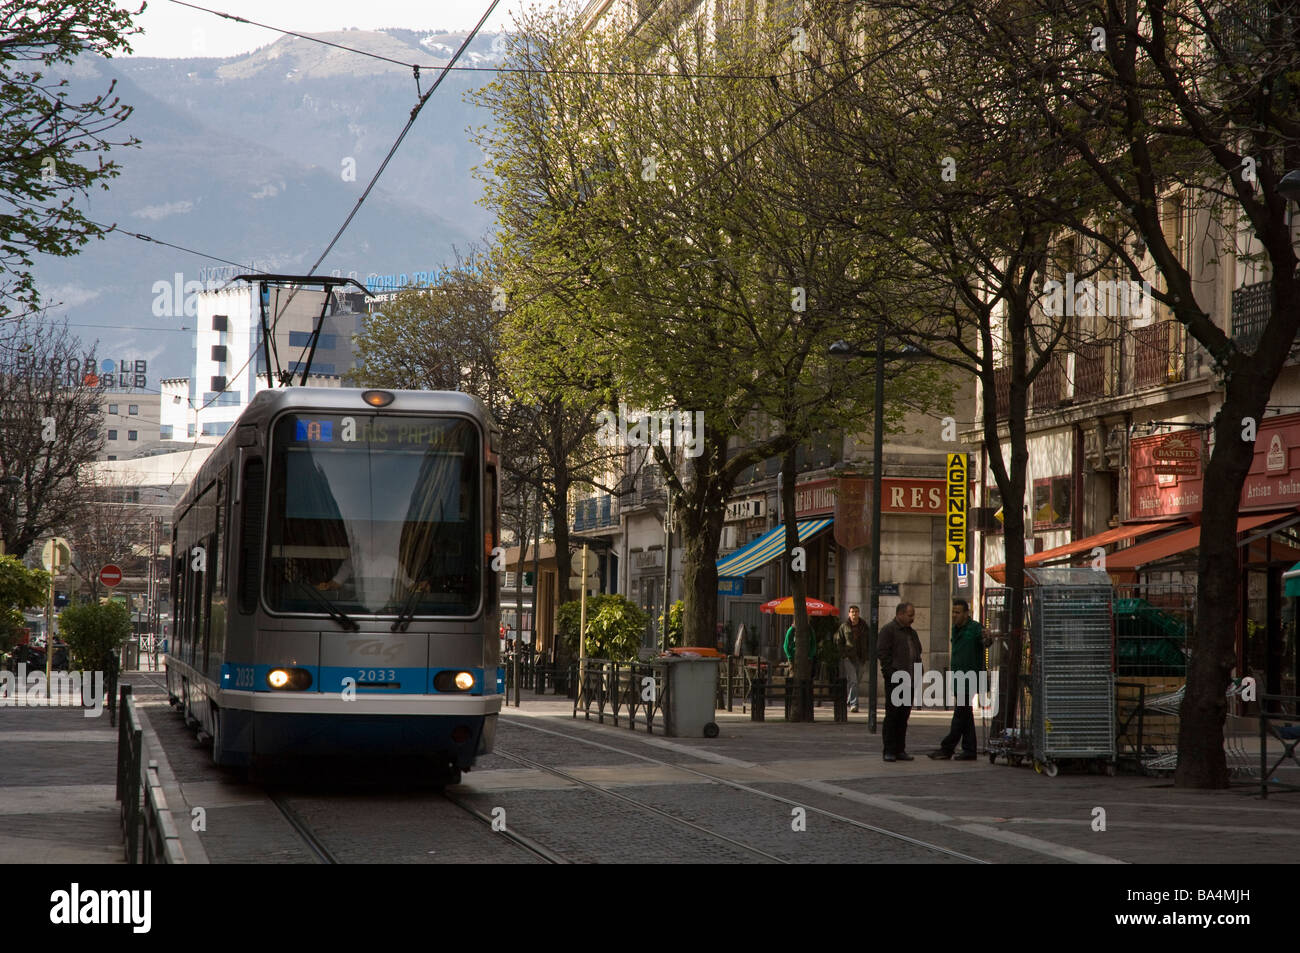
(1052, 503)
(326, 342)
(112, 408)
(112, 435)
(189, 430)
(111, 456)
(295, 367)
(133, 409)
(993, 500)
(165, 432)
(132, 435)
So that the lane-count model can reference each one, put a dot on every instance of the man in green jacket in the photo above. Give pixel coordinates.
(788, 648)
(965, 664)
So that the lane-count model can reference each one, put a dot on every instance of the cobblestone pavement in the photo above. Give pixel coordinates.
(762, 792)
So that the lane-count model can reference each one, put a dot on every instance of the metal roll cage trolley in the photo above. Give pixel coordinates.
(1066, 693)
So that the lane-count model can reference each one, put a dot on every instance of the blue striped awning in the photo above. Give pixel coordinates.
(766, 548)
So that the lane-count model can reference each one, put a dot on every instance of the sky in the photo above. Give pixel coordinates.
(172, 30)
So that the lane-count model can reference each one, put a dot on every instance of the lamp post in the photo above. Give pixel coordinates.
(843, 349)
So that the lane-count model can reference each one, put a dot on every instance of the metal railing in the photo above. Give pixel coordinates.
(1157, 354)
(1048, 388)
(1252, 306)
(622, 689)
(1288, 734)
(1093, 376)
(148, 830)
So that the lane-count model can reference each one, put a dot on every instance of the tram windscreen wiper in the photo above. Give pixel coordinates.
(338, 615)
(408, 611)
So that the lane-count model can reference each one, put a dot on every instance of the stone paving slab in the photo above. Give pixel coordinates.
(57, 788)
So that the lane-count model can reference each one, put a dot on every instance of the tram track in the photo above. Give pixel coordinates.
(736, 785)
(638, 804)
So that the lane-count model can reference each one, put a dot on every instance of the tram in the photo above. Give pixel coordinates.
(332, 581)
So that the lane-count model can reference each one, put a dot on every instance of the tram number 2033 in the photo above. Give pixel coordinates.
(376, 675)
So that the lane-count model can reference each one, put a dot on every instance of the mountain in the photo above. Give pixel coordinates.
(247, 158)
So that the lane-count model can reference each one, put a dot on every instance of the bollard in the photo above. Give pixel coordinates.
(841, 700)
(758, 704)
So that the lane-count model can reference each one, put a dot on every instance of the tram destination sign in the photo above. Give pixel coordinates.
(376, 430)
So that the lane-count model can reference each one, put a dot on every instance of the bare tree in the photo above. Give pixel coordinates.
(49, 429)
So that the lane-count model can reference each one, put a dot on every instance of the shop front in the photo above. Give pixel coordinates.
(1167, 484)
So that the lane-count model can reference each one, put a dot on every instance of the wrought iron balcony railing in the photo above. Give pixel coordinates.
(1158, 354)
(1252, 306)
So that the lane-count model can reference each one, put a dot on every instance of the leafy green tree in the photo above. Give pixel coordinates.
(94, 631)
(1161, 103)
(615, 628)
(20, 588)
(47, 141)
(631, 201)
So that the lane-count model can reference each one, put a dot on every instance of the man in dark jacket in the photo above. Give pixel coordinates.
(898, 647)
(965, 664)
(851, 640)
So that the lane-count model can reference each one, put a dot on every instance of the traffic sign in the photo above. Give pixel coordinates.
(58, 545)
(110, 575)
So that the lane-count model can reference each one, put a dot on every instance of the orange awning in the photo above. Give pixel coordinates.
(1087, 544)
(1129, 560)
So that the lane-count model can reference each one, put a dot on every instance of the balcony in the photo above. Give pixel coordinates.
(1093, 378)
(1002, 390)
(1049, 386)
(1157, 355)
(1252, 306)
(596, 512)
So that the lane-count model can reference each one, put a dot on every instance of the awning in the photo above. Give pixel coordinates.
(1131, 559)
(1292, 577)
(1085, 545)
(766, 548)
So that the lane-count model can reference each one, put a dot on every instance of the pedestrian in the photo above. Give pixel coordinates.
(966, 662)
(788, 648)
(851, 640)
(898, 648)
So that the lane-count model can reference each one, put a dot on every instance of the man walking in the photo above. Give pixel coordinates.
(967, 661)
(851, 640)
(898, 647)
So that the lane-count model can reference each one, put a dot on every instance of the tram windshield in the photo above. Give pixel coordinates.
(374, 514)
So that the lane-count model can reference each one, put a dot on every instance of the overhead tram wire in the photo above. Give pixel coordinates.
(757, 77)
(397, 144)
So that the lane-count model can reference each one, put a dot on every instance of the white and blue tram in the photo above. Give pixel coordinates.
(332, 582)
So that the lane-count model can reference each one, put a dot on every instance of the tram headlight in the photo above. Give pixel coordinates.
(295, 679)
(450, 680)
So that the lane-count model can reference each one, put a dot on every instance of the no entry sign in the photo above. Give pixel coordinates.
(110, 575)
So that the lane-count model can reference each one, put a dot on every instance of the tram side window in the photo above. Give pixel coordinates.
(178, 600)
(250, 535)
(494, 532)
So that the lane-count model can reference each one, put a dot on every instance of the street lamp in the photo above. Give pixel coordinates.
(843, 349)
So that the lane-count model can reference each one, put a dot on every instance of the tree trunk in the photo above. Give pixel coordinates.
(701, 509)
(1201, 759)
